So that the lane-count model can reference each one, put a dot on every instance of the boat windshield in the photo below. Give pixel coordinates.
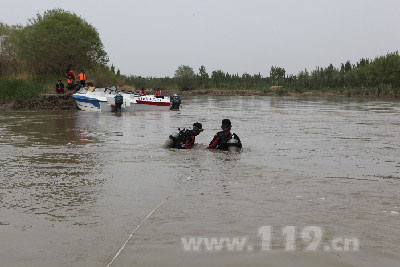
(101, 90)
(111, 92)
(83, 90)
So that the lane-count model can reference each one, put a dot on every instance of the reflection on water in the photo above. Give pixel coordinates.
(75, 184)
(44, 169)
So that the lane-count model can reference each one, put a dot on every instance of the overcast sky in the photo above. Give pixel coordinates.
(152, 38)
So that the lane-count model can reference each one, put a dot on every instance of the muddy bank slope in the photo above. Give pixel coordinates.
(42, 102)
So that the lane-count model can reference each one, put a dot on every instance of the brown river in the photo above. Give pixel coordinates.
(96, 189)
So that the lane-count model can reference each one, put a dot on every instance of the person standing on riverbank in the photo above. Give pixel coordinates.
(71, 76)
(159, 92)
(222, 139)
(82, 78)
(59, 87)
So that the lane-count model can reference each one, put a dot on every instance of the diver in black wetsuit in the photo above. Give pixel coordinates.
(185, 138)
(225, 140)
(119, 100)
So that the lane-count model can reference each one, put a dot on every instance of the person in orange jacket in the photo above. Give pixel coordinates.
(159, 92)
(142, 92)
(82, 78)
(71, 76)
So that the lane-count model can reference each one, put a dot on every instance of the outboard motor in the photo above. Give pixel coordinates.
(119, 100)
(170, 143)
(175, 102)
(233, 145)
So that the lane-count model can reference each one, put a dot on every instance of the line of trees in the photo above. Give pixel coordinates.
(383, 72)
(185, 78)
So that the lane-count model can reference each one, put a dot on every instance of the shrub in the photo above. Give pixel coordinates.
(19, 89)
(185, 77)
(103, 76)
(282, 91)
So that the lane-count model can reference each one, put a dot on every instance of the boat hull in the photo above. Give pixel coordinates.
(103, 100)
(148, 105)
(107, 107)
(87, 103)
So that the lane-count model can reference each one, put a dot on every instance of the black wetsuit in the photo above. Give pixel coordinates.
(59, 88)
(221, 139)
(119, 100)
(185, 140)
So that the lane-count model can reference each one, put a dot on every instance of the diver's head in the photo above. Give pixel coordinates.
(226, 125)
(197, 128)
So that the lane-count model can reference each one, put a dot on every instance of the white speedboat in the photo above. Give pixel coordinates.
(103, 99)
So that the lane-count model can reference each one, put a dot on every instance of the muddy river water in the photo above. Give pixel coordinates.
(74, 186)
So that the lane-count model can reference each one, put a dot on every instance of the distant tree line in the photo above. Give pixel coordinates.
(383, 72)
(185, 78)
(380, 73)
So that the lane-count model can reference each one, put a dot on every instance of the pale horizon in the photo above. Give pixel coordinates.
(154, 38)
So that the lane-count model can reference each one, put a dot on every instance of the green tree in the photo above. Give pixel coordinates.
(218, 76)
(103, 76)
(9, 61)
(277, 75)
(58, 38)
(138, 81)
(185, 77)
(347, 66)
(203, 76)
(246, 78)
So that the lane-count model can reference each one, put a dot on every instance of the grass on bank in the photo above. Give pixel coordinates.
(17, 89)
(20, 89)
(26, 87)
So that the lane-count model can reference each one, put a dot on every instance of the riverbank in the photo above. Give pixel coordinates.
(66, 102)
(42, 102)
(282, 91)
